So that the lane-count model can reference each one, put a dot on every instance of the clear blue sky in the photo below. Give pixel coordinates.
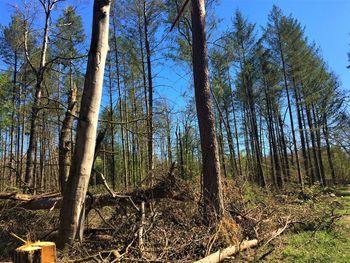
(326, 22)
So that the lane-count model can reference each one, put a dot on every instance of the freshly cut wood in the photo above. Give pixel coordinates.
(38, 252)
(16, 196)
(227, 252)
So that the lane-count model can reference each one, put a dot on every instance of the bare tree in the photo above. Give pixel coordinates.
(39, 74)
(72, 211)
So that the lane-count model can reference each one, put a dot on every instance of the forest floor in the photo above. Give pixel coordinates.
(320, 245)
(290, 227)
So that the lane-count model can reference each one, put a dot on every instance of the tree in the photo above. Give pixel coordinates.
(212, 193)
(11, 50)
(72, 211)
(243, 49)
(280, 35)
(69, 35)
(39, 72)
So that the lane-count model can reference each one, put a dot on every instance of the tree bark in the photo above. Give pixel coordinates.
(212, 192)
(150, 96)
(65, 143)
(72, 211)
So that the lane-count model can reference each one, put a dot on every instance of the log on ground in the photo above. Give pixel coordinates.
(227, 252)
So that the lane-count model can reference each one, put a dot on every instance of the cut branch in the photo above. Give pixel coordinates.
(227, 252)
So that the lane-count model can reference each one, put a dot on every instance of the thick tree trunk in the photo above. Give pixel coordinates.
(38, 252)
(212, 193)
(72, 211)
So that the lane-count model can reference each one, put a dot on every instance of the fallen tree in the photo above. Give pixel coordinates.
(228, 252)
(165, 188)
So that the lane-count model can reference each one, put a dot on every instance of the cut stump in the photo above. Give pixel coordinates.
(38, 252)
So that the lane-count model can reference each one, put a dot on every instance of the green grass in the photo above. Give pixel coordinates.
(319, 246)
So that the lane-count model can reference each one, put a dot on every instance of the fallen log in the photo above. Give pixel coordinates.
(16, 196)
(165, 188)
(227, 252)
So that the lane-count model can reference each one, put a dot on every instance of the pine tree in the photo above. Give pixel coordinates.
(243, 43)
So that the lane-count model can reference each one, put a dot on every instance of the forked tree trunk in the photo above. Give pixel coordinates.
(212, 193)
(72, 211)
(30, 170)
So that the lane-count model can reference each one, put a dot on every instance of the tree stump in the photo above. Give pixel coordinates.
(38, 252)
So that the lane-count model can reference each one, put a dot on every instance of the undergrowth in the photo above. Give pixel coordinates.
(174, 230)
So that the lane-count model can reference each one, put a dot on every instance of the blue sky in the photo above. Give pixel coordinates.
(326, 23)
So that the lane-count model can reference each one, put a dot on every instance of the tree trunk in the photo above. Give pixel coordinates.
(212, 193)
(12, 140)
(319, 146)
(38, 252)
(230, 145)
(29, 176)
(276, 169)
(301, 132)
(329, 152)
(111, 125)
(72, 211)
(65, 143)
(283, 145)
(300, 177)
(150, 96)
(313, 143)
